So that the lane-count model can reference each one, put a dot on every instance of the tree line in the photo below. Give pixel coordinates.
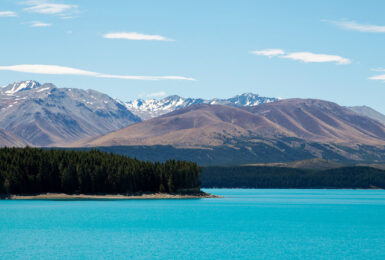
(32, 171)
(291, 178)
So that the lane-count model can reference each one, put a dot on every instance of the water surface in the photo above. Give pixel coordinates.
(246, 224)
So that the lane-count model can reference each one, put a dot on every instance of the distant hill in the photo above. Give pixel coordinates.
(322, 121)
(369, 112)
(44, 115)
(213, 125)
(198, 125)
(151, 108)
(314, 163)
(286, 151)
(282, 131)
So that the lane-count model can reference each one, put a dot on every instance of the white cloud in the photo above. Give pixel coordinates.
(8, 14)
(269, 52)
(157, 94)
(40, 24)
(351, 25)
(60, 70)
(378, 77)
(135, 36)
(48, 7)
(314, 57)
(302, 56)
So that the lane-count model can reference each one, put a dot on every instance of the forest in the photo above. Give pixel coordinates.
(35, 171)
(356, 177)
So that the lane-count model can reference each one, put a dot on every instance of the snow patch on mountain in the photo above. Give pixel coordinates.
(44, 115)
(16, 87)
(151, 108)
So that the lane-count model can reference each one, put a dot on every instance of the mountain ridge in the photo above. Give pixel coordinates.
(322, 121)
(212, 125)
(44, 115)
(199, 125)
(151, 108)
(369, 112)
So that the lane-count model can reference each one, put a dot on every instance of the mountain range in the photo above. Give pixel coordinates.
(247, 128)
(44, 115)
(208, 125)
(151, 108)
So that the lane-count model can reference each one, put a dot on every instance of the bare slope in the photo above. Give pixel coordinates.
(44, 115)
(212, 125)
(369, 112)
(322, 121)
(10, 140)
(198, 125)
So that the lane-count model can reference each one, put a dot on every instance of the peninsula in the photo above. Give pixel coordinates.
(29, 173)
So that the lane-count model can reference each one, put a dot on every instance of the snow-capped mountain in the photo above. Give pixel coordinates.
(242, 100)
(16, 87)
(151, 108)
(44, 115)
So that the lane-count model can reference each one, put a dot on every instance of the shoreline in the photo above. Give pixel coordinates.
(64, 196)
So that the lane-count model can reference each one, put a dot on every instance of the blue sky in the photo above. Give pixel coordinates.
(332, 50)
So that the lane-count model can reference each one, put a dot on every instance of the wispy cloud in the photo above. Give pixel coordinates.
(40, 24)
(60, 70)
(380, 77)
(351, 25)
(135, 36)
(269, 52)
(7, 14)
(317, 58)
(48, 7)
(378, 69)
(306, 57)
(157, 94)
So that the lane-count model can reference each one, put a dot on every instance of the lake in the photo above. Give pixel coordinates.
(246, 224)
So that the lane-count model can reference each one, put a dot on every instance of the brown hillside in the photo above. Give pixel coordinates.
(322, 121)
(210, 125)
(193, 126)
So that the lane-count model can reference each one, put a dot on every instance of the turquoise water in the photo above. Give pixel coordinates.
(246, 224)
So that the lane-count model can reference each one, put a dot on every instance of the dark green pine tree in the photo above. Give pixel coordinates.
(31, 170)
